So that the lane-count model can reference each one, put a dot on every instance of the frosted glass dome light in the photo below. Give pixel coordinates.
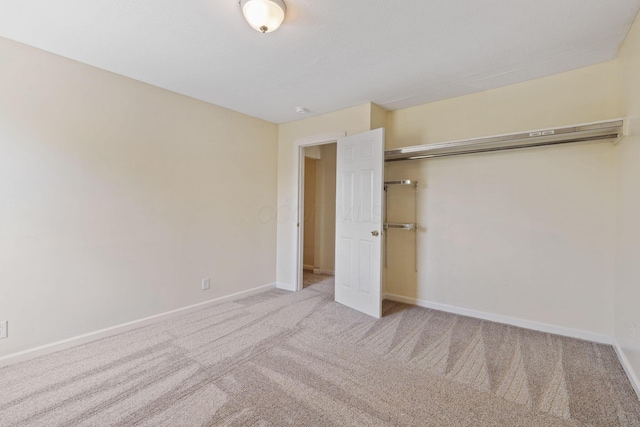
(263, 15)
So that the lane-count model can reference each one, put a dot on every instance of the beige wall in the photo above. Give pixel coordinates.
(320, 208)
(117, 198)
(326, 209)
(586, 94)
(310, 195)
(526, 234)
(378, 117)
(627, 292)
(352, 120)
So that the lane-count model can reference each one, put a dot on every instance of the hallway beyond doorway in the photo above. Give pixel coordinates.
(312, 279)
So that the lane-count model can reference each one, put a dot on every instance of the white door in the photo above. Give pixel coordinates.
(360, 182)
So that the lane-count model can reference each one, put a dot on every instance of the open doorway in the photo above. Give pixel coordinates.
(319, 217)
(356, 244)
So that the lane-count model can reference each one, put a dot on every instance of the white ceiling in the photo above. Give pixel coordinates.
(329, 54)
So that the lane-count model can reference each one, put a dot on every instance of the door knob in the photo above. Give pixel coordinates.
(375, 233)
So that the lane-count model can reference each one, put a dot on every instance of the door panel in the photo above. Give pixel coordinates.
(360, 176)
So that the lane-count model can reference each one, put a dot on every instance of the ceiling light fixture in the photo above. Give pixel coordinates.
(263, 15)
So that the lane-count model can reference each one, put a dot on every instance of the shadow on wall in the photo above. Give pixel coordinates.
(404, 247)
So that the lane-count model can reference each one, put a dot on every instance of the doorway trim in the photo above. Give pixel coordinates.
(298, 196)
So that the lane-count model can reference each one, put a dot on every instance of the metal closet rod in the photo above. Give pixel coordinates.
(598, 131)
(401, 182)
(494, 149)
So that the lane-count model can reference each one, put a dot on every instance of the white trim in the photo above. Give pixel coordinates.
(32, 353)
(298, 198)
(309, 267)
(626, 365)
(523, 323)
(327, 138)
(286, 287)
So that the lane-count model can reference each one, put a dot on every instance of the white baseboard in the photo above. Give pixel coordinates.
(527, 324)
(320, 271)
(118, 329)
(633, 378)
(308, 267)
(327, 272)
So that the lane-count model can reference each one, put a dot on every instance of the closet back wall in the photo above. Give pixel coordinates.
(527, 234)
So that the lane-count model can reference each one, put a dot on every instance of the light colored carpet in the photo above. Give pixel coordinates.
(310, 279)
(300, 359)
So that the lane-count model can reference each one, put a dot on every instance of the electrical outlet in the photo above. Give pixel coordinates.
(206, 284)
(4, 333)
(632, 332)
